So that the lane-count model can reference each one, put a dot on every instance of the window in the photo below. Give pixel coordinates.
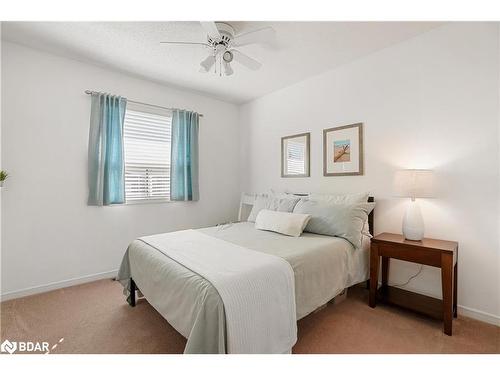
(147, 139)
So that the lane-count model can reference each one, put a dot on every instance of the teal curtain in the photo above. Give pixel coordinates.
(184, 156)
(106, 165)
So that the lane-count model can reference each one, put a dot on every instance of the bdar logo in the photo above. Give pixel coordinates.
(9, 347)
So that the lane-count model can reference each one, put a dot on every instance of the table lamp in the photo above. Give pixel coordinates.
(413, 183)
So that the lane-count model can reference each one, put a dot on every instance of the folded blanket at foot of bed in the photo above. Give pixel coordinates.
(256, 289)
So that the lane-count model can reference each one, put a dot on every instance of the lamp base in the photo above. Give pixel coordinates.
(413, 223)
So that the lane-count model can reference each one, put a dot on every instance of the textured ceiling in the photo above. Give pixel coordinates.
(301, 49)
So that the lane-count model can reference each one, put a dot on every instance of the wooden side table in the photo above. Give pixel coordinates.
(430, 252)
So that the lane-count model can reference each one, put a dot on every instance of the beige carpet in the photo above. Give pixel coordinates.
(94, 318)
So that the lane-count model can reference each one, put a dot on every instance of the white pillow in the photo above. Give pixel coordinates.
(272, 202)
(286, 223)
(340, 198)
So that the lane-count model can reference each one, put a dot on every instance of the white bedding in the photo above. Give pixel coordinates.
(259, 318)
(358, 268)
(323, 267)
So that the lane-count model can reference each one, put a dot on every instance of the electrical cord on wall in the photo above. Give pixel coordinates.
(411, 278)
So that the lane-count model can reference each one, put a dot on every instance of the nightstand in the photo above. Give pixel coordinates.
(430, 252)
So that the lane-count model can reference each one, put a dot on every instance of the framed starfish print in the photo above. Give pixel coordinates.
(343, 150)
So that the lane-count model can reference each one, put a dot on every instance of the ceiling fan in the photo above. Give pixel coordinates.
(221, 41)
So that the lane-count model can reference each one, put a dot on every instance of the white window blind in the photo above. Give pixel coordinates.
(296, 157)
(147, 140)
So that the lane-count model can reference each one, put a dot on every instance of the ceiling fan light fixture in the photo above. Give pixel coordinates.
(228, 70)
(219, 48)
(208, 63)
(227, 56)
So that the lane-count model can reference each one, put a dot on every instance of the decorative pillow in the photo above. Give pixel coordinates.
(340, 198)
(286, 223)
(344, 199)
(272, 202)
(340, 220)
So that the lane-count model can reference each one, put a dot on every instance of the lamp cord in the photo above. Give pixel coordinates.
(411, 278)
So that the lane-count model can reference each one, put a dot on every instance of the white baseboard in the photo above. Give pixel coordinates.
(479, 315)
(57, 285)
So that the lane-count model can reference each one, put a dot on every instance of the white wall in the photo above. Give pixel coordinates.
(0, 154)
(49, 234)
(429, 102)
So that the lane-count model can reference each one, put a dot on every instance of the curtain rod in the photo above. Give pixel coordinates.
(89, 92)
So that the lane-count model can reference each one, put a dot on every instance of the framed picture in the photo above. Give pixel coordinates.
(343, 150)
(295, 155)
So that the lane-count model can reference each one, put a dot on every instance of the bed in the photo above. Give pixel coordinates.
(323, 267)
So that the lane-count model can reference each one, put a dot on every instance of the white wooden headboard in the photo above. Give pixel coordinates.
(247, 200)
(246, 203)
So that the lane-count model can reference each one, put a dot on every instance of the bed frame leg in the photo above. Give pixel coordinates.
(133, 288)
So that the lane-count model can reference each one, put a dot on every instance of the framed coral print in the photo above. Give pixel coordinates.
(343, 150)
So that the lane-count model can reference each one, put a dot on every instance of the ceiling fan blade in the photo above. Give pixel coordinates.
(187, 43)
(211, 29)
(245, 60)
(208, 63)
(265, 35)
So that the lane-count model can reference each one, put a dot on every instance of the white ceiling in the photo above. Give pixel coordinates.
(302, 49)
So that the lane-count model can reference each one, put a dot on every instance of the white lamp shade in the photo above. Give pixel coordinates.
(414, 183)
